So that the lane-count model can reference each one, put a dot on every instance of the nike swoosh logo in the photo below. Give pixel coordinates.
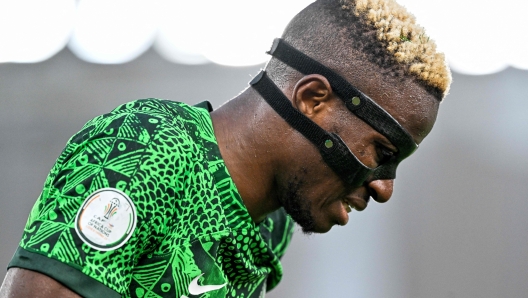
(196, 289)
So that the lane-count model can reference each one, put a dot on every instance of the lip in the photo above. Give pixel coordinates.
(356, 202)
(352, 201)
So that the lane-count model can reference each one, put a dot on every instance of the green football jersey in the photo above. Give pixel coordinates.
(141, 204)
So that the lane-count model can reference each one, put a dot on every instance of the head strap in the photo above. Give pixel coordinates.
(356, 101)
(331, 147)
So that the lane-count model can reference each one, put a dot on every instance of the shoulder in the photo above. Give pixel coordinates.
(143, 125)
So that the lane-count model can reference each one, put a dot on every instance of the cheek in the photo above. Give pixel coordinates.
(323, 188)
(306, 172)
(357, 135)
(360, 140)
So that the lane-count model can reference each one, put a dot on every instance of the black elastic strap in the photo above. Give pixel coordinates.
(331, 147)
(356, 101)
(278, 101)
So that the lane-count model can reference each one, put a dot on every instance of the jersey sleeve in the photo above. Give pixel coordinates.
(106, 201)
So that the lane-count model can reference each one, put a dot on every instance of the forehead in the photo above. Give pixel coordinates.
(402, 97)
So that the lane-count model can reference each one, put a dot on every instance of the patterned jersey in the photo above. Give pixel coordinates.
(140, 204)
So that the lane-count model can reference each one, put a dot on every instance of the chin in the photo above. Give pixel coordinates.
(318, 228)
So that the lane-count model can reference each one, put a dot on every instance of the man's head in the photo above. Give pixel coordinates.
(376, 47)
(341, 33)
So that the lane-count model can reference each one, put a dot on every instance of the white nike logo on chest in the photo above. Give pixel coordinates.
(196, 289)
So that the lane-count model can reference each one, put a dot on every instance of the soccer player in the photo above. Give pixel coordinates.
(161, 199)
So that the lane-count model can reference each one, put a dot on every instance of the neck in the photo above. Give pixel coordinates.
(244, 131)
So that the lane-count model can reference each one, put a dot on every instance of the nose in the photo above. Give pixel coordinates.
(381, 190)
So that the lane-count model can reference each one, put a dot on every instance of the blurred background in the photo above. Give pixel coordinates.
(456, 225)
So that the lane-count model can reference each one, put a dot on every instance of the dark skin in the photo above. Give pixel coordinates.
(26, 283)
(265, 156)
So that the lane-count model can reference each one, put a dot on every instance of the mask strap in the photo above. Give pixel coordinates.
(331, 147)
(356, 101)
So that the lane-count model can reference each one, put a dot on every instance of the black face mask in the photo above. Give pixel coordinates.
(333, 150)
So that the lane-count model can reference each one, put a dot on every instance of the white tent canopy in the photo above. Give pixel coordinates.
(479, 37)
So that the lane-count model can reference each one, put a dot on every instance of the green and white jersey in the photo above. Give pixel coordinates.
(140, 204)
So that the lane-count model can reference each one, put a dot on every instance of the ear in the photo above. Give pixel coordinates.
(311, 95)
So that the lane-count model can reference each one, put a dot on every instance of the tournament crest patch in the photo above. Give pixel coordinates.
(106, 219)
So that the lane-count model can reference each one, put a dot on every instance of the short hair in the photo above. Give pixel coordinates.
(381, 31)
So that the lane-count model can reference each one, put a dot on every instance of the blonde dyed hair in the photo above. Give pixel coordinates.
(405, 40)
(339, 33)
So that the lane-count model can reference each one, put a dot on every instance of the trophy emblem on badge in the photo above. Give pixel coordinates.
(111, 208)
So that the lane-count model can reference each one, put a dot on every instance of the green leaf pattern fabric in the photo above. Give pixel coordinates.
(191, 221)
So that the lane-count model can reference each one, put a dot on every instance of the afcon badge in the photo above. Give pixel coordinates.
(106, 219)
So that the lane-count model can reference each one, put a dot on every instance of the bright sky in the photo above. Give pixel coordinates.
(479, 37)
